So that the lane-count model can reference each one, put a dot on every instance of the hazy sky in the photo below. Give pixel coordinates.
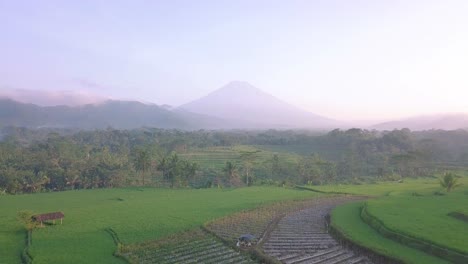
(343, 59)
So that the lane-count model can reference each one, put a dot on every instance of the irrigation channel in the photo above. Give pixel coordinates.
(302, 237)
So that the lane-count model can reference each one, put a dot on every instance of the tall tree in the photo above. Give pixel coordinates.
(142, 163)
(248, 159)
(230, 169)
(275, 166)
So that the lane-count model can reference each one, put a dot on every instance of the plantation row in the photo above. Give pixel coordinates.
(256, 221)
(302, 237)
(202, 249)
(299, 237)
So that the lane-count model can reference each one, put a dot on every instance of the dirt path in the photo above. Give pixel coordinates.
(302, 237)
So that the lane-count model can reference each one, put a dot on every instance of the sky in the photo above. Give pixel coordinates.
(348, 60)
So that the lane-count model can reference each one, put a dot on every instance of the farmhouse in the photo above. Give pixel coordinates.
(49, 216)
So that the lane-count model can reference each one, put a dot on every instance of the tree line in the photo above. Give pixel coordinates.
(59, 159)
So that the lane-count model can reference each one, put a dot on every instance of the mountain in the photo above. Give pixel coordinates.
(237, 105)
(250, 107)
(116, 114)
(441, 121)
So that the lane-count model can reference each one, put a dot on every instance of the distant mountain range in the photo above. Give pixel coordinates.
(237, 105)
(116, 114)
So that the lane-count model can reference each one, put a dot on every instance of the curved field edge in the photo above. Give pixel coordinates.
(226, 229)
(417, 243)
(378, 189)
(261, 222)
(425, 218)
(459, 215)
(136, 215)
(347, 224)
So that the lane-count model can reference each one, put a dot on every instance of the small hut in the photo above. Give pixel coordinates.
(49, 216)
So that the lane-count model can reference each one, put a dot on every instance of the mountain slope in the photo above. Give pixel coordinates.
(116, 114)
(442, 121)
(51, 98)
(242, 102)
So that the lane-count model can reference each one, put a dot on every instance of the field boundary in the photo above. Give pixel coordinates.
(460, 216)
(319, 191)
(340, 236)
(416, 243)
(118, 243)
(254, 253)
(26, 257)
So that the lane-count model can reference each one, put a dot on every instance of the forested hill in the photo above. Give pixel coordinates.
(116, 114)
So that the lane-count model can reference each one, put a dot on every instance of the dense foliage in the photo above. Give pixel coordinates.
(55, 159)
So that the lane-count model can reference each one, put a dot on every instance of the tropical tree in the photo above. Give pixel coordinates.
(189, 170)
(171, 168)
(248, 159)
(230, 169)
(142, 163)
(449, 181)
(275, 166)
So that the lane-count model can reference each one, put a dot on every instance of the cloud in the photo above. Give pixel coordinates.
(51, 98)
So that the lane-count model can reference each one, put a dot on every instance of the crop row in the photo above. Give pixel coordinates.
(201, 249)
(302, 237)
(256, 221)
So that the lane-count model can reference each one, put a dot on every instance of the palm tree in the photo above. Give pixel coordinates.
(142, 163)
(231, 172)
(449, 181)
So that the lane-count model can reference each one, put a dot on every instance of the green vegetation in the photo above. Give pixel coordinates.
(216, 157)
(425, 217)
(386, 188)
(191, 246)
(399, 168)
(449, 181)
(413, 208)
(41, 160)
(346, 219)
(136, 215)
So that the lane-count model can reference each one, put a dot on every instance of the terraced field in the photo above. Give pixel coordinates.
(302, 237)
(216, 157)
(292, 232)
(257, 221)
(202, 249)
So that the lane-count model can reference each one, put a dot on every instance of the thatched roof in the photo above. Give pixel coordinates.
(48, 216)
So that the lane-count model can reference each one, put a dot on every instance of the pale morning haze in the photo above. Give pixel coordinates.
(346, 60)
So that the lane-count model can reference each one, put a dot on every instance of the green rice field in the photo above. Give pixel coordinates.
(136, 215)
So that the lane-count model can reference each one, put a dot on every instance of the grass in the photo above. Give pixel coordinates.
(322, 149)
(136, 215)
(393, 188)
(347, 220)
(425, 217)
(413, 209)
(216, 157)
